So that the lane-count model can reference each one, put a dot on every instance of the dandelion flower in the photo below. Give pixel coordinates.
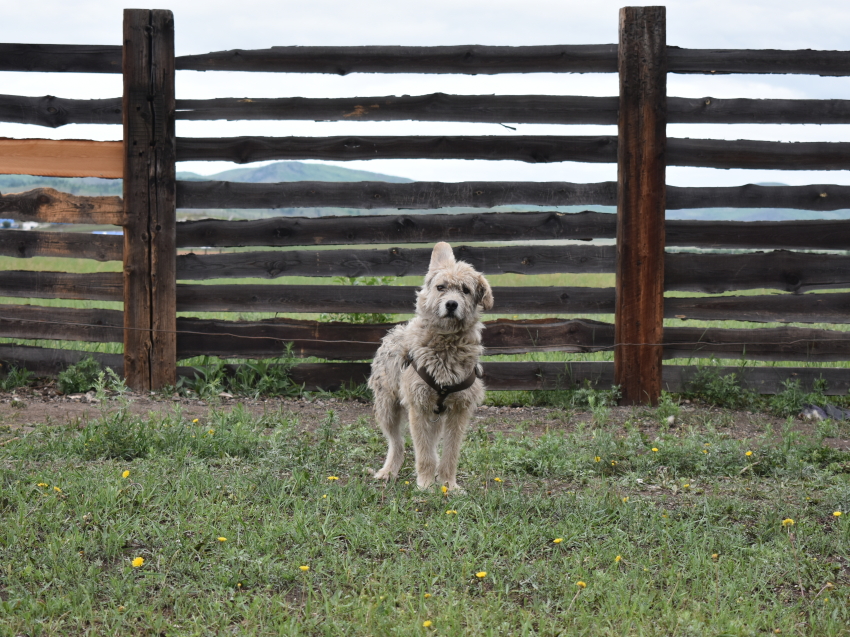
(407, 481)
(42, 484)
(837, 514)
(427, 595)
(686, 486)
(613, 463)
(451, 512)
(137, 562)
(655, 448)
(222, 539)
(211, 432)
(626, 499)
(714, 556)
(597, 459)
(497, 479)
(120, 609)
(57, 489)
(426, 623)
(194, 422)
(444, 489)
(304, 568)
(787, 522)
(324, 496)
(333, 478)
(705, 450)
(481, 574)
(557, 540)
(126, 474)
(618, 558)
(749, 453)
(581, 584)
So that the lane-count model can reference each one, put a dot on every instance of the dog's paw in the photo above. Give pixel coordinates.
(382, 474)
(456, 489)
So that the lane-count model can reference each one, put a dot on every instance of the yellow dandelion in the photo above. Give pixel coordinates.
(211, 432)
(686, 486)
(613, 463)
(581, 584)
(597, 459)
(57, 489)
(304, 568)
(333, 478)
(427, 595)
(451, 512)
(626, 499)
(837, 514)
(42, 484)
(749, 453)
(705, 450)
(137, 562)
(407, 481)
(714, 556)
(324, 496)
(655, 449)
(497, 479)
(481, 574)
(426, 623)
(787, 522)
(618, 558)
(444, 489)
(557, 540)
(194, 422)
(120, 609)
(126, 474)
(222, 539)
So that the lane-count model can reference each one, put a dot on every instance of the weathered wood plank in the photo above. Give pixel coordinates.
(711, 110)
(60, 58)
(535, 259)
(32, 243)
(527, 148)
(496, 226)
(782, 270)
(99, 286)
(745, 153)
(47, 205)
(61, 158)
(61, 323)
(641, 202)
(468, 59)
(43, 361)
(813, 197)
(381, 194)
(53, 111)
(718, 61)
(389, 299)
(812, 235)
(766, 308)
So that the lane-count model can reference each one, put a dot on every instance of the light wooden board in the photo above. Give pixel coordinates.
(61, 158)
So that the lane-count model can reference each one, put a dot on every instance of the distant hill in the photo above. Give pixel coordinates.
(299, 171)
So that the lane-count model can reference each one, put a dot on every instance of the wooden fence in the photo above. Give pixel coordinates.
(155, 339)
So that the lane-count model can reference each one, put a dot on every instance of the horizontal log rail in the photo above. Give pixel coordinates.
(422, 195)
(707, 153)
(393, 262)
(99, 286)
(780, 269)
(503, 226)
(46, 205)
(61, 158)
(476, 60)
(426, 195)
(61, 323)
(763, 308)
(45, 361)
(25, 244)
(390, 299)
(53, 111)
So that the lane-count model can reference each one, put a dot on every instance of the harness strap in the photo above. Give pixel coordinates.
(444, 390)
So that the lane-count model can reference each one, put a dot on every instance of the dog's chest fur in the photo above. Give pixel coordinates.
(449, 358)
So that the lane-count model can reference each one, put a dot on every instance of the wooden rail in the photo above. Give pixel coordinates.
(46, 205)
(61, 158)
(26, 244)
(99, 286)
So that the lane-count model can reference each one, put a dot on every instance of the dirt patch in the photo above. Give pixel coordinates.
(25, 408)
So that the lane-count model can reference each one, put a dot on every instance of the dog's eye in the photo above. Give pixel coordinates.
(441, 288)
(465, 290)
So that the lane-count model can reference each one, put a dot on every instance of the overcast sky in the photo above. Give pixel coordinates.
(216, 25)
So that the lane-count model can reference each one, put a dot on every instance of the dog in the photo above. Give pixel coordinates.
(428, 368)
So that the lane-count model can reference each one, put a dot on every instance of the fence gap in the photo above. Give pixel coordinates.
(150, 352)
(639, 308)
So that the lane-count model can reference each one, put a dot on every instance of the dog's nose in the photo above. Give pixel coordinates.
(451, 306)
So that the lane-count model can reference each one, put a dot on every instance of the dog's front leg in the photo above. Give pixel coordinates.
(425, 432)
(453, 434)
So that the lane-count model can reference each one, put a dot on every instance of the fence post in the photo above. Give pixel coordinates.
(150, 319)
(641, 202)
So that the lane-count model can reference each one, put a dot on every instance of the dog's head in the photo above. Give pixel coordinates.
(453, 293)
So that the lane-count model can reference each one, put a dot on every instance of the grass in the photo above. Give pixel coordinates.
(225, 512)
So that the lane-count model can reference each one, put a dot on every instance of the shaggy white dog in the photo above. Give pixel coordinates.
(429, 367)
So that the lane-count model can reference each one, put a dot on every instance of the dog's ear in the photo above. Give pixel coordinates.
(484, 295)
(441, 257)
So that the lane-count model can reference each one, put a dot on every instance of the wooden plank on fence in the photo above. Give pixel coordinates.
(533, 149)
(60, 58)
(61, 158)
(55, 111)
(149, 196)
(43, 361)
(833, 234)
(467, 59)
(780, 269)
(772, 308)
(99, 286)
(535, 259)
(641, 204)
(380, 194)
(412, 228)
(764, 380)
(813, 197)
(436, 107)
(747, 153)
(390, 299)
(710, 110)
(346, 341)
(47, 205)
(719, 61)
(61, 323)
(32, 243)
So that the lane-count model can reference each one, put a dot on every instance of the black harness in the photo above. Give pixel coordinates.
(444, 390)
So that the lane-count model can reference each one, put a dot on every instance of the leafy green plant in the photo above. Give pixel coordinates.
(80, 377)
(360, 317)
(15, 377)
(268, 377)
(721, 390)
(790, 401)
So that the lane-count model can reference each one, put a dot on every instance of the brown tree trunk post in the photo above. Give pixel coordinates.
(150, 319)
(641, 202)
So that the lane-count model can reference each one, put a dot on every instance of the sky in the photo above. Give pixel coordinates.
(215, 25)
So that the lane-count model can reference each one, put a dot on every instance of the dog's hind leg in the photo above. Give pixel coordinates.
(426, 437)
(453, 434)
(389, 414)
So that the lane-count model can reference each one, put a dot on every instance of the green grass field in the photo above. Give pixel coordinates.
(246, 525)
